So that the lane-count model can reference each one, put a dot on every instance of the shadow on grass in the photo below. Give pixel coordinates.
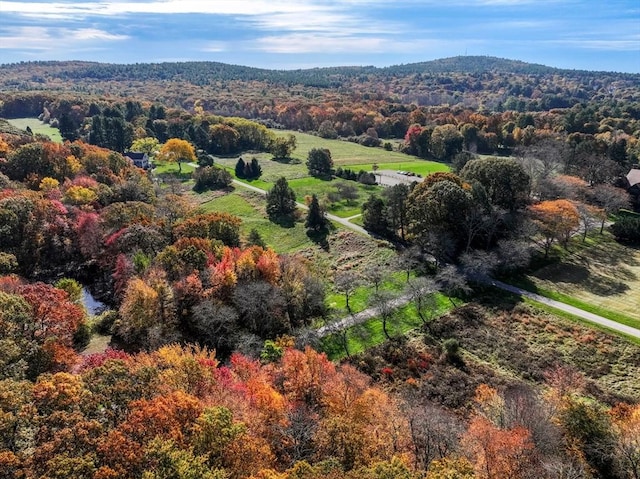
(601, 268)
(605, 286)
(287, 160)
(319, 238)
(283, 221)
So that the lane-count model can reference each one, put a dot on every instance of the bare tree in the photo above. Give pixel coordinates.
(346, 283)
(340, 331)
(422, 291)
(589, 216)
(513, 255)
(452, 282)
(374, 274)
(385, 310)
(409, 260)
(542, 159)
(478, 264)
(434, 432)
(524, 407)
(298, 434)
(564, 468)
(610, 199)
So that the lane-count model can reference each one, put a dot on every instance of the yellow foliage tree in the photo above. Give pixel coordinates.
(177, 150)
(48, 184)
(79, 195)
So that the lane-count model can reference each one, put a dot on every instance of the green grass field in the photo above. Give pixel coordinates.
(249, 207)
(310, 186)
(344, 154)
(347, 154)
(370, 333)
(167, 167)
(600, 276)
(420, 167)
(38, 128)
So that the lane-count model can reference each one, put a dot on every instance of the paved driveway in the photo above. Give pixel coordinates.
(392, 178)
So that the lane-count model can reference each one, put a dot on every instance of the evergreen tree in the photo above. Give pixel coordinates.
(316, 219)
(255, 239)
(374, 216)
(67, 127)
(240, 168)
(281, 201)
(256, 170)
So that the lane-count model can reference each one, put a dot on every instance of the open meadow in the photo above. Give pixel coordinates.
(37, 127)
(344, 154)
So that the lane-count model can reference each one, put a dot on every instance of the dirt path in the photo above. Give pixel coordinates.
(360, 317)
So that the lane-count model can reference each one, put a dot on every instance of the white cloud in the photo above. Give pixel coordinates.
(215, 47)
(338, 18)
(108, 8)
(625, 44)
(320, 43)
(51, 39)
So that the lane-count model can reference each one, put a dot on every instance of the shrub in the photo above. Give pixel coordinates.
(627, 229)
(211, 177)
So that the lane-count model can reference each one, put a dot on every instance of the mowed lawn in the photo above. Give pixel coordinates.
(37, 127)
(344, 154)
(249, 207)
(355, 156)
(601, 273)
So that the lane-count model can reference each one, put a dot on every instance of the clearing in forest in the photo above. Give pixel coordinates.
(37, 127)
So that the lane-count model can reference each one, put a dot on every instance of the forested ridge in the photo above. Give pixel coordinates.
(468, 80)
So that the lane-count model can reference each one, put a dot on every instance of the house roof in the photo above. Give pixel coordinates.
(135, 155)
(633, 177)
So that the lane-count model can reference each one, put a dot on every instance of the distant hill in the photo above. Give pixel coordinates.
(284, 96)
(474, 64)
(200, 73)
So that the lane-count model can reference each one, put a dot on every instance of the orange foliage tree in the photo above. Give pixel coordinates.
(556, 220)
(498, 453)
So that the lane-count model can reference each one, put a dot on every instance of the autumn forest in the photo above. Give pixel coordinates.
(300, 274)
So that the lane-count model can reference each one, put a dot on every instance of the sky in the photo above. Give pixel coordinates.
(281, 34)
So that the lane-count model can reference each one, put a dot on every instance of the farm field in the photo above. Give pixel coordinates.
(355, 156)
(37, 127)
(601, 276)
(419, 167)
(343, 153)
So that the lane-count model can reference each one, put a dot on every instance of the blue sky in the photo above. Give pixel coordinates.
(286, 34)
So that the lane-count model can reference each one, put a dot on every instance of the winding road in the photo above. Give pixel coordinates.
(581, 313)
(402, 300)
(343, 221)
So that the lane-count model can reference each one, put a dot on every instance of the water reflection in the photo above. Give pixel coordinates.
(92, 305)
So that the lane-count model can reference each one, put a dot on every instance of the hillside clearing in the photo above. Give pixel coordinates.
(37, 127)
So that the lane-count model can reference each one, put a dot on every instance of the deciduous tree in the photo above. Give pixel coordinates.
(177, 150)
(319, 163)
(556, 220)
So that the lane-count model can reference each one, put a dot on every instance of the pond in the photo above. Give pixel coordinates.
(92, 305)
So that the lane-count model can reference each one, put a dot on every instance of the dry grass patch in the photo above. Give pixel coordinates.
(600, 272)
